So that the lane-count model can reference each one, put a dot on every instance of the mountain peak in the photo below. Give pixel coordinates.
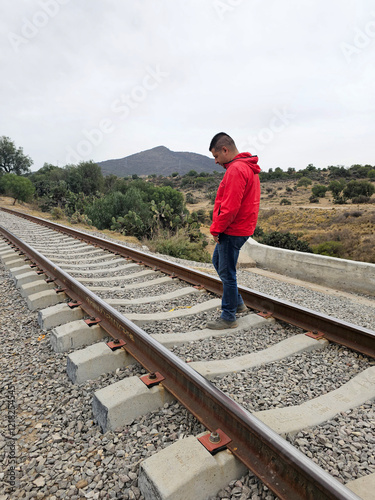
(160, 161)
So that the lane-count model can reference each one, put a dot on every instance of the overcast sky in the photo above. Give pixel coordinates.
(291, 81)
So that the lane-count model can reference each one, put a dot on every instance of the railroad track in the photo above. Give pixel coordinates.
(174, 310)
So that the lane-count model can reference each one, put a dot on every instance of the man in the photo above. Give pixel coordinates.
(233, 222)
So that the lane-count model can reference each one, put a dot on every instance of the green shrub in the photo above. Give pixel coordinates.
(130, 224)
(190, 199)
(20, 188)
(258, 233)
(57, 213)
(179, 245)
(78, 218)
(313, 199)
(319, 191)
(284, 201)
(336, 187)
(330, 248)
(285, 240)
(339, 200)
(114, 205)
(355, 189)
(201, 216)
(304, 181)
(361, 199)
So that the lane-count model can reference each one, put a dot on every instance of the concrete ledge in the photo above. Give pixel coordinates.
(57, 315)
(95, 360)
(244, 323)
(75, 334)
(364, 487)
(185, 470)
(292, 419)
(120, 403)
(46, 298)
(342, 274)
(281, 350)
(141, 319)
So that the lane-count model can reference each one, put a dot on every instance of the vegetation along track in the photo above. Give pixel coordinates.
(281, 371)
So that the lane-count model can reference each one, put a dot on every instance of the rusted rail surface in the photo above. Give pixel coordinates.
(285, 470)
(357, 338)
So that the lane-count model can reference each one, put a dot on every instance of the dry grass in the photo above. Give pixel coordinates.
(351, 225)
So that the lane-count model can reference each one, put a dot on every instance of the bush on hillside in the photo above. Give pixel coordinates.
(304, 181)
(319, 191)
(179, 245)
(330, 248)
(313, 199)
(285, 240)
(361, 199)
(355, 189)
(284, 201)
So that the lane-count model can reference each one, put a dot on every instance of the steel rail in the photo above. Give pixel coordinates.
(358, 338)
(284, 469)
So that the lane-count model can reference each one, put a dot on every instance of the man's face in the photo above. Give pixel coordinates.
(221, 156)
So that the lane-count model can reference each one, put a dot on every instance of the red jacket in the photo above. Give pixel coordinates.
(237, 200)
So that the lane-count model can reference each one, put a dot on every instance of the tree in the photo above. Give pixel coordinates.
(92, 177)
(13, 160)
(338, 171)
(19, 188)
(336, 187)
(358, 188)
(319, 191)
(304, 181)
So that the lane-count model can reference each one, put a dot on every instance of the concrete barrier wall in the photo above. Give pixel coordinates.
(342, 274)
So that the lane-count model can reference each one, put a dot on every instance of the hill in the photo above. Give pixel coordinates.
(159, 161)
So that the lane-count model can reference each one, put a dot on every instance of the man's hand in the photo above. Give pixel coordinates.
(216, 238)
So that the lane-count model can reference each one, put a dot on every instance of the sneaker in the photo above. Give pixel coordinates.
(221, 324)
(242, 308)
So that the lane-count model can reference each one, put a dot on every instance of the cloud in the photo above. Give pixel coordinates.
(228, 69)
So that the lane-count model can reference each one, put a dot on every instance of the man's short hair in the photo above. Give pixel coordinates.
(221, 140)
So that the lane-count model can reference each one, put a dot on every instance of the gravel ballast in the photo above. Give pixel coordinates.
(60, 451)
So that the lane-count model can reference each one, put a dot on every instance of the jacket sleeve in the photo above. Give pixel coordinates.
(231, 200)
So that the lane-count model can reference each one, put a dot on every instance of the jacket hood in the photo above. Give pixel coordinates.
(251, 161)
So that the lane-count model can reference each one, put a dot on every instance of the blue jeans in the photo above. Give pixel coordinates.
(224, 260)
